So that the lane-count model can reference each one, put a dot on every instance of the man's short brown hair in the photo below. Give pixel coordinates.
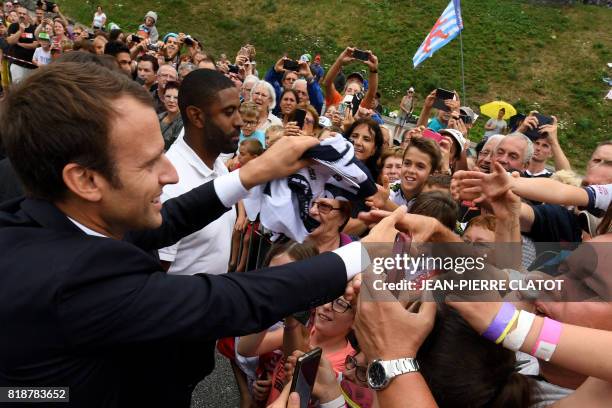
(61, 114)
(430, 148)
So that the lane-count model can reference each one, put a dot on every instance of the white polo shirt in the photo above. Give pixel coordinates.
(207, 250)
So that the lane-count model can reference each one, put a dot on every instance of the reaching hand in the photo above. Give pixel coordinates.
(379, 200)
(346, 56)
(550, 130)
(292, 129)
(420, 227)
(529, 123)
(478, 187)
(372, 62)
(430, 99)
(385, 329)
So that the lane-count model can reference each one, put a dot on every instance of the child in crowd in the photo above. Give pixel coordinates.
(248, 150)
(273, 133)
(42, 54)
(148, 28)
(249, 113)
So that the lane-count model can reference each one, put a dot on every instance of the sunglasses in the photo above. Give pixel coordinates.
(324, 208)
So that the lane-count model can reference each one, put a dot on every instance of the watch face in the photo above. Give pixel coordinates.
(376, 375)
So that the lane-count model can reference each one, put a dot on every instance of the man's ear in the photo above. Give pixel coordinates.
(195, 116)
(83, 182)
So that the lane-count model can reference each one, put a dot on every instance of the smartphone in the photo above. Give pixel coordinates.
(233, 69)
(430, 134)
(188, 41)
(305, 374)
(533, 134)
(361, 55)
(291, 65)
(300, 117)
(355, 104)
(136, 38)
(441, 96)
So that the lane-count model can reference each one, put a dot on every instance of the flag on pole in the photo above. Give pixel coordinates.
(446, 28)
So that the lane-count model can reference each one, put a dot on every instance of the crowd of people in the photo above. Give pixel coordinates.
(126, 222)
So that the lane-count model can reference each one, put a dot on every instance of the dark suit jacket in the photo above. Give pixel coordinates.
(100, 316)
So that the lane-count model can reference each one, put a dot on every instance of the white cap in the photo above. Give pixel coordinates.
(457, 135)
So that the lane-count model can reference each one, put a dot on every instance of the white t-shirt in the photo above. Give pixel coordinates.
(99, 20)
(43, 57)
(207, 250)
(499, 127)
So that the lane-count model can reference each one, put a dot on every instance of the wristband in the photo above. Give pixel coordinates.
(374, 71)
(500, 323)
(516, 337)
(508, 327)
(547, 340)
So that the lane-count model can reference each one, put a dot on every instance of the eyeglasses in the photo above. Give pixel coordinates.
(340, 305)
(324, 208)
(249, 123)
(361, 372)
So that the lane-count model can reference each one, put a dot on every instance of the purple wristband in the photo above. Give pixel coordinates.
(499, 324)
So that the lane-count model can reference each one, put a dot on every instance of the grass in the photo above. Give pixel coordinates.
(534, 56)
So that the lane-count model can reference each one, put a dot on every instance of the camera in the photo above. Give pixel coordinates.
(136, 38)
(153, 47)
(189, 41)
(233, 69)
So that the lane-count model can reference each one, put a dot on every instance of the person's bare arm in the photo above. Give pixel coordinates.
(14, 38)
(559, 157)
(328, 81)
(372, 64)
(426, 111)
(260, 343)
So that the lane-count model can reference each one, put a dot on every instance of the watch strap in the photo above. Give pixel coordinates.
(402, 366)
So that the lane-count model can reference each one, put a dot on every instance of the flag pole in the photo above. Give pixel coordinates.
(463, 95)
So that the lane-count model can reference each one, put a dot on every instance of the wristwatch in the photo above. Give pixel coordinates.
(380, 372)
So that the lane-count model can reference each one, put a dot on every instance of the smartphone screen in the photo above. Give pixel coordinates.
(290, 65)
(305, 374)
(299, 117)
(361, 55)
(441, 96)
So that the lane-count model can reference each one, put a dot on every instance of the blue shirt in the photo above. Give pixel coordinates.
(258, 134)
(435, 125)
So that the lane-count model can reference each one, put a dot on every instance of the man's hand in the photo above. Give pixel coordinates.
(445, 146)
(420, 227)
(458, 125)
(280, 160)
(478, 187)
(241, 223)
(385, 329)
(529, 123)
(550, 131)
(292, 129)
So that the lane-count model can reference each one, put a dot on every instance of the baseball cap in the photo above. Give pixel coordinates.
(466, 110)
(44, 36)
(411, 89)
(324, 122)
(305, 58)
(357, 76)
(457, 136)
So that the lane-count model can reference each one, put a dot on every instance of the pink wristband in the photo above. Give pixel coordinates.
(547, 340)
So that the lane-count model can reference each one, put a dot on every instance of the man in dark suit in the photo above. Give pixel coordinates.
(83, 303)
